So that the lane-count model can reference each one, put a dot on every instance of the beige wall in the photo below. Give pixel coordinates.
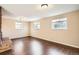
(68, 37)
(9, 30)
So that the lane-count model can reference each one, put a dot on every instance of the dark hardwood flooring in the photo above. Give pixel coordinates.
(35, 46)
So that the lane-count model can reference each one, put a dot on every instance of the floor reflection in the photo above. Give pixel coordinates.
(36, 47)
(52, 51)
(18, 47)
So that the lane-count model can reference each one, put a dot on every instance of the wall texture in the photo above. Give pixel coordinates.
(68, 37)
(9, 29)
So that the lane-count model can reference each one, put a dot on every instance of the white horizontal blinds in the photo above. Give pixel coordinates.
(19, 25)
(59, 23)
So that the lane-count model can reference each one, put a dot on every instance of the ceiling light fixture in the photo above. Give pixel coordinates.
(44, 5)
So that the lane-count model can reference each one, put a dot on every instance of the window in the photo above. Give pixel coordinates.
(36, 25)
(19, 25)
(59, 23)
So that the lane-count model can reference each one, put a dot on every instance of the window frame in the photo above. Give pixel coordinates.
(61, 22)
(36, 25)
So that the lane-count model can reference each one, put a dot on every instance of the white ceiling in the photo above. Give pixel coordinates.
(34, 11)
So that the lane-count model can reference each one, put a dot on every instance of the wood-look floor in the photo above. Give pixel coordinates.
(34, 46)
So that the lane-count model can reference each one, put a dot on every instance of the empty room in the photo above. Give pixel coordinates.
(39, 29)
